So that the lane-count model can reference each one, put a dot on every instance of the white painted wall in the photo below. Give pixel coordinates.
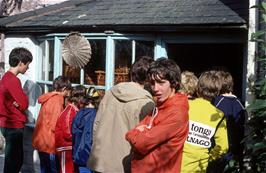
(12, 42)
(252, 48)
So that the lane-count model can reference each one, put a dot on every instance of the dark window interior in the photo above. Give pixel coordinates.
(201, 57)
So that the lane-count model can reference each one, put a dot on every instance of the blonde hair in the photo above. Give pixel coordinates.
(189, 82)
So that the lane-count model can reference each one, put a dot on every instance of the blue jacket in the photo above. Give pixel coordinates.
(82, 129)
(236, 116)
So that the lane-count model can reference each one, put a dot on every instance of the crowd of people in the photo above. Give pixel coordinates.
(162, 121)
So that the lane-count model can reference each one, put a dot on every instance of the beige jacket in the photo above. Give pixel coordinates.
(121, 109)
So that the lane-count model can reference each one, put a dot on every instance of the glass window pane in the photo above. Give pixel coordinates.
(123, 58)
(144, 48)
(72, 73)
(95, 69)
(51, 60)
(42, 59)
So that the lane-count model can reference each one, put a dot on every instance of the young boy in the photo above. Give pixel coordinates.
(52, 104)
(157, 141)
(13, 103)
(189, 83)
(63, 129)
(82, 130)
(207, 138)
(235, 115)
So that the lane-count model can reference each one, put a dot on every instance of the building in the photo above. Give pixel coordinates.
(197, 34)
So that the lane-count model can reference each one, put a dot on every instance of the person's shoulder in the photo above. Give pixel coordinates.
(9, 78)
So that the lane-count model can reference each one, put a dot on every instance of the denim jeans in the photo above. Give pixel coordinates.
(13, 149)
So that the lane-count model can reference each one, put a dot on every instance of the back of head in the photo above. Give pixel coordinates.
(61, 82)
(139, 69)
(19, 55)
(189, 84)
(227, 83)
(77, 95)
(92, 97)
(208, 85)
(167, 69)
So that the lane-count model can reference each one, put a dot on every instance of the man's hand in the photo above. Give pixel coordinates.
(15, 104)
(141, 128)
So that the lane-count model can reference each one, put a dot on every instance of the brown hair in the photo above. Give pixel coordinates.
(61, 82)
(167, 69)
(227, 83)
(208, 85)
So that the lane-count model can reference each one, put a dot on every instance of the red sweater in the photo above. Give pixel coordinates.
(159, 148)
(10, 92)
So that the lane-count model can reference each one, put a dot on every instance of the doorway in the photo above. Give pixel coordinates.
(201, 57)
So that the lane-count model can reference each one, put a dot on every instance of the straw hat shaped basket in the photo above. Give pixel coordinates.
(76, 50)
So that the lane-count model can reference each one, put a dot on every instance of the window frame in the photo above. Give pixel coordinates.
(110, 55)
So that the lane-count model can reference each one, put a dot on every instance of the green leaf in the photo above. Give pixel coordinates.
(264, 17)
(258, 104)
(257, 34)
(263, 4)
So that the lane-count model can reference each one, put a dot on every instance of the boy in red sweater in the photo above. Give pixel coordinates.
(13, 103)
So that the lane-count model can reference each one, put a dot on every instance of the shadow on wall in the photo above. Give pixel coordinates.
(33, 91)
(2, 69)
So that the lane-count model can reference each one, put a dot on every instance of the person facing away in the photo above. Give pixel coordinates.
(82, 130)
(189, 82)
(207, 138)
(43, 140)
(13, 103)
(157, 141)
(235, 115)
(121, 108)
(63, 129)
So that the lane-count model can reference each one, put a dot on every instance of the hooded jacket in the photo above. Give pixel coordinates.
(10, 92)
(120, 110)
(159, 147)
(44, 132)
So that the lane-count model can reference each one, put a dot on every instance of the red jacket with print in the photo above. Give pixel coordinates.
(11, 91)
(159, 148)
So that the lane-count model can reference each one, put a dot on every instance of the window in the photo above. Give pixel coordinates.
(95, 68)
(124, 51)
(123, 59)
(144, 48)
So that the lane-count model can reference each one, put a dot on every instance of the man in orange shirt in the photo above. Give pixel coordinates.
(157, 142)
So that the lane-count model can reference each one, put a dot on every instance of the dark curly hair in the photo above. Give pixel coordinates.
(167, 69)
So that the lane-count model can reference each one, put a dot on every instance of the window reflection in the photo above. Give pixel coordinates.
(123, 59)
(73, 73)
(42, 59)
(94, 71)
(51, 60)
(144, 48)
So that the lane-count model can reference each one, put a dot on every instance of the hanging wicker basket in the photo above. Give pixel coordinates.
(76, 50)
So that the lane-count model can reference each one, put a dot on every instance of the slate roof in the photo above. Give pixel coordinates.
(131, 13)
